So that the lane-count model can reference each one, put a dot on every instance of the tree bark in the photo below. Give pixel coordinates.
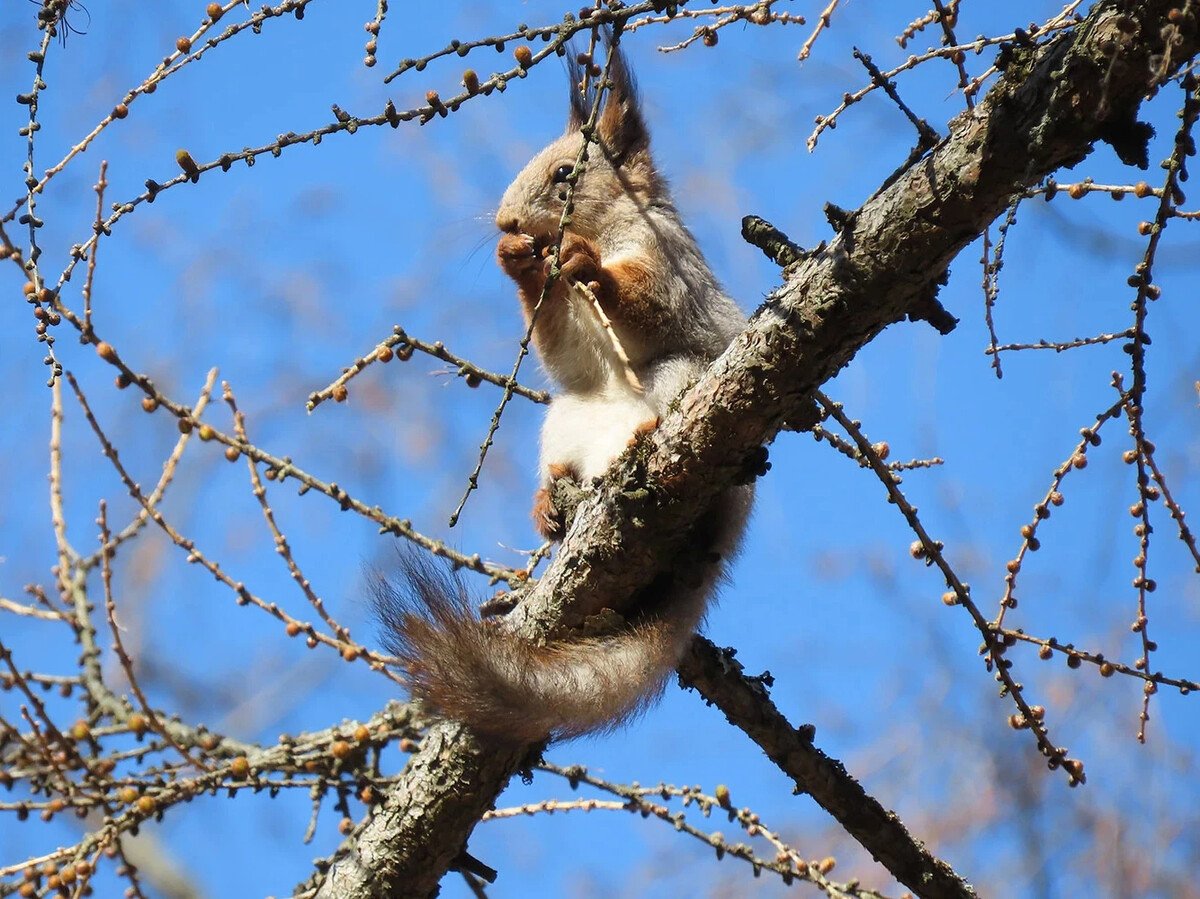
(1047, 111)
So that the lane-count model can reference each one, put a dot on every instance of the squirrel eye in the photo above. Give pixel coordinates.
(562, 172)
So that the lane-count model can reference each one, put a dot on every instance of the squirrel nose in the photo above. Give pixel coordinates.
(508, 223)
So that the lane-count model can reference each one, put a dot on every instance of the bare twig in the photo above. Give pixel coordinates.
(110, 613)
(101, 183)
(930, 551)
(822, 23)
(348, 650)
(618, 348)
(401, 345)
(281, 544)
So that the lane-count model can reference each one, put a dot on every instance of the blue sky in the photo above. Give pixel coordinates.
(283, 273)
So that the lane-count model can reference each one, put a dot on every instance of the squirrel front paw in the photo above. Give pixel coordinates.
(578, 262)
(517, 256)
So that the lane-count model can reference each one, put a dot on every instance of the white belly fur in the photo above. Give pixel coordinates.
(588, 430)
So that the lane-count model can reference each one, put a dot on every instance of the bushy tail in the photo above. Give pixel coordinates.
(511, 688)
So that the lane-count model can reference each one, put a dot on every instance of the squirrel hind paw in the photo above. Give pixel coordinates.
(547, 518)
(649, 426)
(558, 470)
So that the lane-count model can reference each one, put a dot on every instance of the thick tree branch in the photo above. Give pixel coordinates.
(405, 847)
(1054, 102)
(744, 701)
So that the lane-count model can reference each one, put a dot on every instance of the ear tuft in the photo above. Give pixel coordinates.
(580, 102)
(621, 128)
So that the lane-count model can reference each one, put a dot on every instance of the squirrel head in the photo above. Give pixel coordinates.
(619, 176)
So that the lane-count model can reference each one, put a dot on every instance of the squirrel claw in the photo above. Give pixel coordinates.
(547, 519)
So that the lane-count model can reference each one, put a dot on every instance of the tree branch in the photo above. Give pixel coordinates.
(719, 679)
(1053, 102)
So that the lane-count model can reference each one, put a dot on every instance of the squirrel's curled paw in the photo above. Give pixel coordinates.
(517, 255)
(579, 262)
(548, 519)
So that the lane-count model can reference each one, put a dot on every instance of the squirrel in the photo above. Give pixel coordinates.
(627, 250)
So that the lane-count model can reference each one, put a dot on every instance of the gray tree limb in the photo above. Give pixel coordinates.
(1052, 105)
(744, 701)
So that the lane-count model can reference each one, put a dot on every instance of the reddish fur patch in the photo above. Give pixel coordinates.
(579, 260)
(635, 285)
(646, 427)
(558, 470)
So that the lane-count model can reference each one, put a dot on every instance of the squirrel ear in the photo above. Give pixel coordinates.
(579, 101)
(621, 126)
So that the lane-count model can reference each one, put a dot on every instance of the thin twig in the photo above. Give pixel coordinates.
(991, 280)
(759, 13)
(787, 862)
(101, 183)
(172, 63)
(1060, 346)
(281, 468)
(164, 480)
(606, 325)
(931, 551)
(822, 24)
(110, 613)
(1076, 460)
(401, 345)
(348, 650)
(281, 543)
